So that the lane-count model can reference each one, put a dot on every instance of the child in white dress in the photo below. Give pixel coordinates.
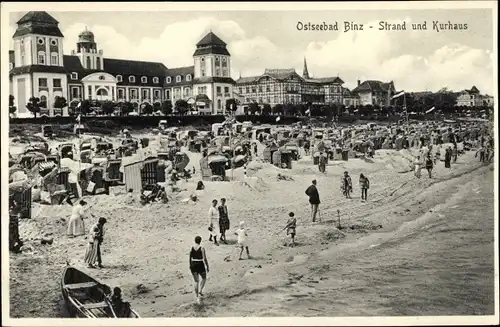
(243, 239)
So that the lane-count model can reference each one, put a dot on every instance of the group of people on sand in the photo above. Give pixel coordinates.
(218, 225)
(76, 227)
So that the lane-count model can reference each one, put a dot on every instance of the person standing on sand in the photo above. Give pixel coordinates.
(429, 164)
(213, 220)
(76, 225)
(198, 265)
(322, 162)
(313, 194)
(437, 156)
(418, 166)
(454, 152)
(291, 227)
(447, 158)
(93, 253)
(364, 184)
(346, 185)
(243, 240)
(223, 220)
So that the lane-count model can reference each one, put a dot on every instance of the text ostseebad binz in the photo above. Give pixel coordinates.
(308, 26)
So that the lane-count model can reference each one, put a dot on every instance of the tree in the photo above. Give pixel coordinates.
(232, 105)
(33, 105)
(85, 107)
(156, 106)
(266, 110)
(147, 109)
(12, 108)
(181, 106)
(166, 107)
(126, 107)
(107, 107)
(60, 102)
(254, 107)
(278, 109)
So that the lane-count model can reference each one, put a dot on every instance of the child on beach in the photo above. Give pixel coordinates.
(242, 239)
(291, 226)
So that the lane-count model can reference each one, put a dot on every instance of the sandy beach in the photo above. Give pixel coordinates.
(416, 247)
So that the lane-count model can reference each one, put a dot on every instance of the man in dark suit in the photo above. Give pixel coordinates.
(313, 194)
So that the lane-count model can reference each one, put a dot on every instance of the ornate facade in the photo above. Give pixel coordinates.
(285, 86)
(38, 68)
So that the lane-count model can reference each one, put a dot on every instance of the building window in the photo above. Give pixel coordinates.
(56, 82)
(155, 80)
(167, 94)
(133, 94)
(42, 82)
(53, 42)
(217, 72)
(157, 94)
(102, 78)
(219, 90)
(74, 76)
(178, 79)
(11, 66)
(219, 104)
(248, 89)
(145, 94)
(40, 40)
(188, 77)
(41, 58)
(144, 79)
(131, 79)
(54, 59)
(43, 101)
(226, 89)
(119, 78)
(120, 94)
(89, 64)
(22, 59)
(98, 63)
(169, 80)
(74, 92)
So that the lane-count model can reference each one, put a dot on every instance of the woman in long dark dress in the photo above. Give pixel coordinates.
(447, 158)
(198, 264)
(223, 220)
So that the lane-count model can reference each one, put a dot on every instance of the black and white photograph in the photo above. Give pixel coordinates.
(263, 163)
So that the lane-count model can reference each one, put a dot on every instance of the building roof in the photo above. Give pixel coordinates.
(40, 23)
(37, 69)
(474, 89)
(247, 80)
(179, 71)
(183, 71)
(202, 80)
(372, 85)
(38, 17)
(281, 74)
(211, 44)
(326, 80)
(210, 40)
(134, 67)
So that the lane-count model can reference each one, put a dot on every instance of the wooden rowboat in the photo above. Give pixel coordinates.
(85, 297)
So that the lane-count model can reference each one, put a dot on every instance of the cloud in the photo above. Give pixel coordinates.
(370, 54)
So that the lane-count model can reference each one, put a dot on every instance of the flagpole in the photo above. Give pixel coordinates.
(406, 110)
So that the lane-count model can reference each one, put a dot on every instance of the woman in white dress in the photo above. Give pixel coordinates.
(76, 225)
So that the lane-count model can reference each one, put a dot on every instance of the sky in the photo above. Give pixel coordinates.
(414, 60)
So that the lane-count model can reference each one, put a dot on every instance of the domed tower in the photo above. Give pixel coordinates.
(86, 50)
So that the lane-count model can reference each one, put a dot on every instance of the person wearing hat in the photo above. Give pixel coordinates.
(76, 225)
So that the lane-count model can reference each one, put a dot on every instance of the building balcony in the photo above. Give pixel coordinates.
(219, 94)
(43, 88)
(227, 95)
(58, 89)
